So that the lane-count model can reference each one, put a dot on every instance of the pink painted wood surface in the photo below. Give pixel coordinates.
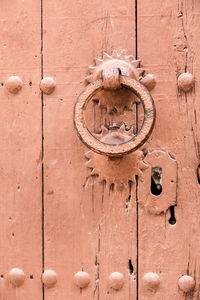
(87, 227)
(20, 149)
(168, 43)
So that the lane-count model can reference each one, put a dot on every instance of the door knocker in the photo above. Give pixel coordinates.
(115, 158)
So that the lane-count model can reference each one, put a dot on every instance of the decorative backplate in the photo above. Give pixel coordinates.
(157, 203)
(119, 99)
(116, 170)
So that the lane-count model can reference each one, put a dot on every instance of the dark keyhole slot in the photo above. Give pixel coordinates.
(130, 267)
(172, 219)
(198, 173)
(120, 72)
(156, 181)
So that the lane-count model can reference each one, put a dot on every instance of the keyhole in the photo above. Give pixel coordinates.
(172, 219)
(156, 181)
(130, 267)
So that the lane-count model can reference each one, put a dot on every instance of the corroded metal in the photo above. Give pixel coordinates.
(16, 277)
(127, 65)
(186, 81)
(116, 280)
(124, 147)
(116, 170)
(186, 283)
(49, 278)
(82, 279)
(153, 203)
(47, 85)
(151, 280)
(111, 79)
(14, 84)
(108, 65)
(149, 81)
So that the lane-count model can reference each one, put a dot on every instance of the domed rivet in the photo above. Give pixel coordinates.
(16, 277)
(186, 283)
(149, 81)
(82, 279)
(185, 82)
(14, 84)
(49, 278)
(151, 280)
(116, 280)
(47, 85)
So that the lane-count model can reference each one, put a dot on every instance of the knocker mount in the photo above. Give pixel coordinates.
(117, 84)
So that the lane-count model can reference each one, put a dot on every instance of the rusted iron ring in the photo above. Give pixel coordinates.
(124, 148)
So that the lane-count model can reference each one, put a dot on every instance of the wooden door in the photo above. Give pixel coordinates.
(69, 230)
(20, 151)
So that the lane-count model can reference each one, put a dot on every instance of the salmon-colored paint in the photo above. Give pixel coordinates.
(20, 151)
(168, 44)
(76, 224)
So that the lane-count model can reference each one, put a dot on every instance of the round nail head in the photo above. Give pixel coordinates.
(47, 85)
(186, 82)
(16, 277)
(186, 283)
(151, 280)
(82, 279)
(149, 81)
(14, 84)
(116, 280)
(49, 278)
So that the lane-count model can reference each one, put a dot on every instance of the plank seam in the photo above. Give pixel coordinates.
(42, 104)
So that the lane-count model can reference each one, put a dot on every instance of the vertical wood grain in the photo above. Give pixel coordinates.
(168, 44)
(20, 149)
(86, 226)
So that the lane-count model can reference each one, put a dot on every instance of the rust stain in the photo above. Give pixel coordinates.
(125, 147)
(50, 193)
